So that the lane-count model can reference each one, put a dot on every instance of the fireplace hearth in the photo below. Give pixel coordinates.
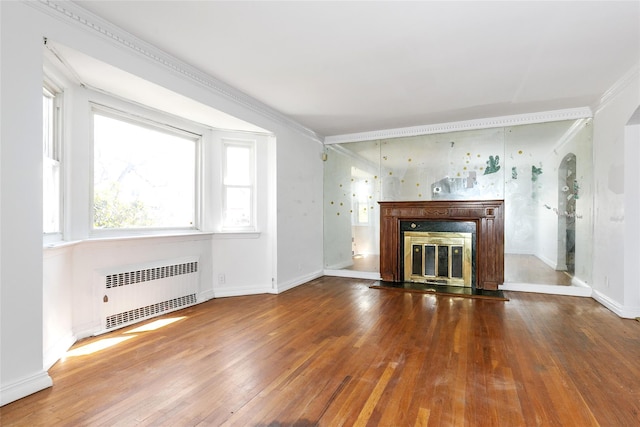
(437, 263)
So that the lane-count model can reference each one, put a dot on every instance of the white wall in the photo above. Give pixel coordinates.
(286, 252)
(611, 245)
(21, 334)
(299, 212)
(631, 300)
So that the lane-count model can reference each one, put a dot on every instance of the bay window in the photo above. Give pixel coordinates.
(145, 173)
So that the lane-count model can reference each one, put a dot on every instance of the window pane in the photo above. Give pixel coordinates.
(238, 165)
(51, 196)
(47, 127)
(143, 177)
(238, 207)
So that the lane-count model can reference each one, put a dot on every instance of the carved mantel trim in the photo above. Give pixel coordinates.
(487, 214)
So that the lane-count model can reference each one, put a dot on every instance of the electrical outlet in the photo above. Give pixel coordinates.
(221, 279)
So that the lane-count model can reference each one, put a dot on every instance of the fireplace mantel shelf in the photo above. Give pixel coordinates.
(487, 214)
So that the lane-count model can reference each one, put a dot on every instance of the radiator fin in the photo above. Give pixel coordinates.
(146, 275)
(149, 310)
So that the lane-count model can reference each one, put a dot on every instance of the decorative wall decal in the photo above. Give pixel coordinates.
(514, 173)
(493, 165)
(535, 172)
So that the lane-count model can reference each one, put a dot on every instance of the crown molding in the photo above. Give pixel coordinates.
(81, 18)
(493, 122)
(630, 77)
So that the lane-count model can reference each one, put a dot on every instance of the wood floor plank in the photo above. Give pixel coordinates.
(334, 352)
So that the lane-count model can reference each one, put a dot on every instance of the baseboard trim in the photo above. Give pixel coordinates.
(282, 287)
(550, 263)
(238, 291)
(56, 352)
(205, 296)
(623, 311)
(353, 274)
(578, 282)
(24, 387)
(576, 291)
(340, 265)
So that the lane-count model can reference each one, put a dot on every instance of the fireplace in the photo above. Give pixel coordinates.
(419, 240)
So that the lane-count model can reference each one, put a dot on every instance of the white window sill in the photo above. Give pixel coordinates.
(237, 235)
(111, 237)
(59, 244)
(187, 235)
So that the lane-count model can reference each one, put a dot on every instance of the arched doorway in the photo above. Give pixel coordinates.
(567, 195)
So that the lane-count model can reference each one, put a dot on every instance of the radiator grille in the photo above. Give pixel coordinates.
(145, 275)
(149, 310)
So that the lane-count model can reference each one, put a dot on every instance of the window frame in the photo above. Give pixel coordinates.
(251, 186)
(157, 121)
(55, 156)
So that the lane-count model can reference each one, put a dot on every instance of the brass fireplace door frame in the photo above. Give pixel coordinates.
(438, 238)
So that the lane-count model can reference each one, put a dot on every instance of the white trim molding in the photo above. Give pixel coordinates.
(623, 311)
(58, 350)
(301, 280)
(630, 77)
(24, 387)
(78, 16)
(353, 274)
(575, 291)
(486, 123)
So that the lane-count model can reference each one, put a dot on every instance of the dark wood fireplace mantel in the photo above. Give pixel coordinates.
(487, 214)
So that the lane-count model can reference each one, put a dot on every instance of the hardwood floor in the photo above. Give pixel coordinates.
(334, 352)
(530, 269)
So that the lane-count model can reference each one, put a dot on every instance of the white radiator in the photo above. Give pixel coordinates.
(136, 293)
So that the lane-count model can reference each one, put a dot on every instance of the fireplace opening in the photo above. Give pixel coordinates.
(438, 258)
(438, 252)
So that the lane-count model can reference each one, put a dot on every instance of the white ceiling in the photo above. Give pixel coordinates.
(347, 67)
